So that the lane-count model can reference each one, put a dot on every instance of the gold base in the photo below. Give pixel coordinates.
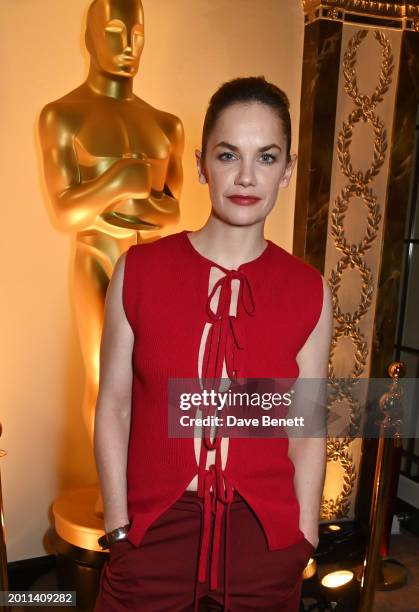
(76, 520)
(392, 575)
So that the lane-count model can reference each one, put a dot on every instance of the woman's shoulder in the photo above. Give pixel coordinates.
(163, 246)
(291, 264)
(302, 284)
(159, 259)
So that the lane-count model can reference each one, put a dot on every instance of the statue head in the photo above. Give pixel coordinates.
(115, 35)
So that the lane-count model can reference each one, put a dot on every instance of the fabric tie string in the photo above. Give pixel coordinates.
(225, 344)
(217, 495)
(226, 338)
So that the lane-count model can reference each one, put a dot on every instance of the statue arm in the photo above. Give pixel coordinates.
(175, 172)
(77, 204)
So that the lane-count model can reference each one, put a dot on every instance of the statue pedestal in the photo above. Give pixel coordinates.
(76, 520)
(74, 539)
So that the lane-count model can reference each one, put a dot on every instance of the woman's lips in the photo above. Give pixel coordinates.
(243, 200)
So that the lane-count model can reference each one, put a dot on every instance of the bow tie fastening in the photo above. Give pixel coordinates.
(225, 342)
(226, 337)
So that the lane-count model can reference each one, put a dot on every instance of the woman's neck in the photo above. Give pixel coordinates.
(230, 245)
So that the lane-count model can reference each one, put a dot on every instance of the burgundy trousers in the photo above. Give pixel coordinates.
(161, 575)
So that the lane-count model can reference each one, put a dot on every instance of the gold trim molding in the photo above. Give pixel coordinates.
(401, 15)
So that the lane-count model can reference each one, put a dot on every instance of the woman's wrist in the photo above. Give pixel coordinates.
(115, 521)
(310, 530)
(115, 535)
(312, 535)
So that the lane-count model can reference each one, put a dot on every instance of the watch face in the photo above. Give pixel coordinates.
(117, 535)
(103, 541)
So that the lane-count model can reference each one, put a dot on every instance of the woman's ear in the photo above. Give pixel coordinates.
(288, 171)
(200, 166)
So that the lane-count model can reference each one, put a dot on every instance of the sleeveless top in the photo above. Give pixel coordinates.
(167, 303)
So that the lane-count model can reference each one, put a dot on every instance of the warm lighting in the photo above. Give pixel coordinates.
(340, 590)
(310, 569)
(337, 579)
(334, 527)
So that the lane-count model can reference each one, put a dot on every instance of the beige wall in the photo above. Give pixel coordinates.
(191, 47)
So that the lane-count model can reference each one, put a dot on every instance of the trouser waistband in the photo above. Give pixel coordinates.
(191, 497)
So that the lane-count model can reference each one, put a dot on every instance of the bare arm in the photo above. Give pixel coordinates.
(77, 204)
(113, 406)
(309, 454)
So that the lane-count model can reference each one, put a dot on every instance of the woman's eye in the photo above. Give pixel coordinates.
(226, 156)
(268, 158)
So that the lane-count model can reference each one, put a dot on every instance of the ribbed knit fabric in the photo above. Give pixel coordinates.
(165, 297)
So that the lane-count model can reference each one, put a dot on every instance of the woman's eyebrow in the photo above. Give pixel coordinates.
(271, 146)
(227, 145)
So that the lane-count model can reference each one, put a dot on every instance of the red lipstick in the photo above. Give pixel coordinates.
(242, 200)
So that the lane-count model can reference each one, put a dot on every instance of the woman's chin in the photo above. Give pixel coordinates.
(239, 215)
(241, 218)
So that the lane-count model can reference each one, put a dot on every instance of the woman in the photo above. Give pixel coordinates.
(220, 301)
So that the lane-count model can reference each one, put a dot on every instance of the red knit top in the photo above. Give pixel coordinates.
(166, 301)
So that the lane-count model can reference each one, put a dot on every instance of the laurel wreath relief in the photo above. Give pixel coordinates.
(352, 255)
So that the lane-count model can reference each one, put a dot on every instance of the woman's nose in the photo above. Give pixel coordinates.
(246, 175)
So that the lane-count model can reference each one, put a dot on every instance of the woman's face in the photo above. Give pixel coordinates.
(245, 163)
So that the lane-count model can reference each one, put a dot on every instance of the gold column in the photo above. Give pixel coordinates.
(342, 198)
(375, 569)
(364, 115)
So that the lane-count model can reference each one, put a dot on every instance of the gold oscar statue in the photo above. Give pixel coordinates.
(112, 167)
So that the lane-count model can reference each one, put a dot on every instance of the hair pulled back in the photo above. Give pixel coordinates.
(246, 90)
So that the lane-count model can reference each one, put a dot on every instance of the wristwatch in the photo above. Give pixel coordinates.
(120, 533)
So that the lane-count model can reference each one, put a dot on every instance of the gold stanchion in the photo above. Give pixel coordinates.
(4, 581)
(389, 438)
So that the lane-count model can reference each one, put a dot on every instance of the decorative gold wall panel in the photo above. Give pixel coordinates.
(402, 14)
(364, 120)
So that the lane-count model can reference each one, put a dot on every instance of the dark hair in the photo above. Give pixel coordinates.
(246, 90)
